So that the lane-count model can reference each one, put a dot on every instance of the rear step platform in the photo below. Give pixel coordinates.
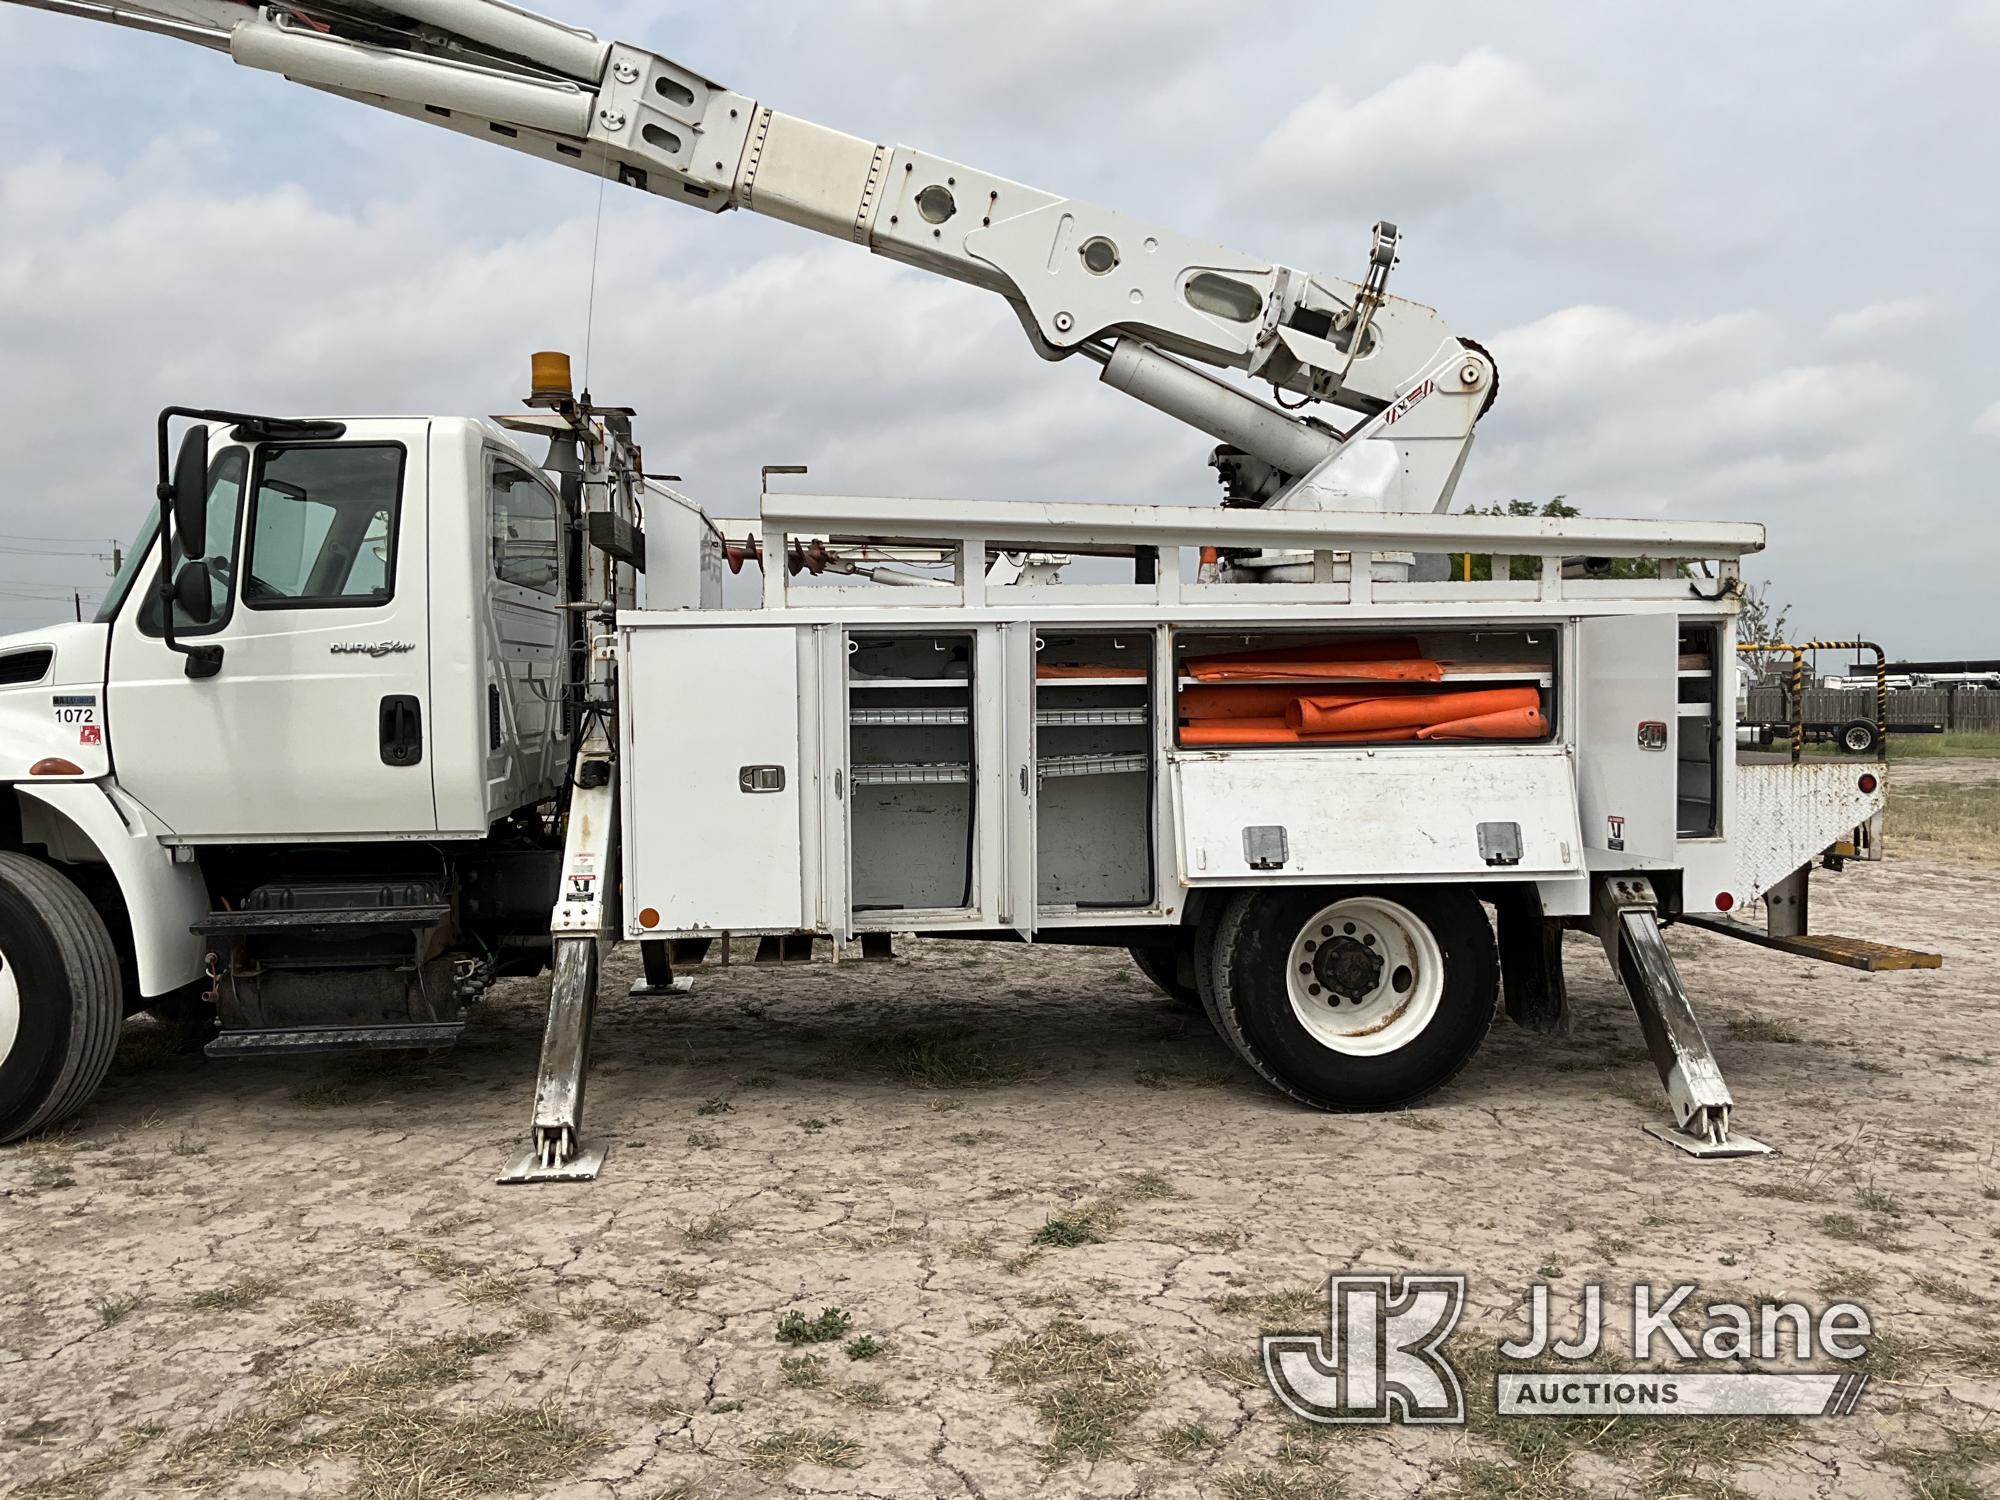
(427, 1037)
(1854, 953)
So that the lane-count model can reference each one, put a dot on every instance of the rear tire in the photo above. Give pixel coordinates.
(1171, 970)
(1355, 999)
(1860, 737)
(61, 1001)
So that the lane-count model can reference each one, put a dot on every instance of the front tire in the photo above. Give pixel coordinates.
(1355, 999)
(61, 1001)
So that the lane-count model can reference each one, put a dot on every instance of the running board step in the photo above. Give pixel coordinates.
(348, 919)
(428, 1037)
(1854, 953)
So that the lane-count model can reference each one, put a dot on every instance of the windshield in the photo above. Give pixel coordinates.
(137, 556)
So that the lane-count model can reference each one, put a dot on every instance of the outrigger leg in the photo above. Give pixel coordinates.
(1626, 915)
(555, 1151)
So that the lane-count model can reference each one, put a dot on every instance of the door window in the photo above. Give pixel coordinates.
(526, 549)
(225, 501)
(323, 527)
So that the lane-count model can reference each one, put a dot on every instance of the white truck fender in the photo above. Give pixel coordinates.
(162, 898)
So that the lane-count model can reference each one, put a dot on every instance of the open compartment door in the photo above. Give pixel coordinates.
(1627, 734)
(1022, 786)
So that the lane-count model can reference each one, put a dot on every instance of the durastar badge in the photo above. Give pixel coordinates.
(371, 648)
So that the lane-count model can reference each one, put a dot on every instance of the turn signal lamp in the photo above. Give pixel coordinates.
(55, 765)
(550, 383)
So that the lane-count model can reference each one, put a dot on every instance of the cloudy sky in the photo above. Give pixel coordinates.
(1735, 262)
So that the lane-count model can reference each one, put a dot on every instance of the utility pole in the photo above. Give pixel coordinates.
(77, 600)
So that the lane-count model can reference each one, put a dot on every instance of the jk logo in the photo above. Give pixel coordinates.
(1381, 1357)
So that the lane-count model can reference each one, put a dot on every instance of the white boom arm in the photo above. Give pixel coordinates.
(1082, 279)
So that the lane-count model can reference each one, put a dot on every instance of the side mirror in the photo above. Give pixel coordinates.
(193, 595)
(190, 495)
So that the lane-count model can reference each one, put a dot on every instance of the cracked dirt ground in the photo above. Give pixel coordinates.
(1029, 1217)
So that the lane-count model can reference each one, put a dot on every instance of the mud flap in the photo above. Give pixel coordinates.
(1531, 963)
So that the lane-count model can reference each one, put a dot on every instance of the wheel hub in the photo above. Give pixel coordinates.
(1347, 967)
(1364, 975)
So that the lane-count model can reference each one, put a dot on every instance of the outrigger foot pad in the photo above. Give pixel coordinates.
(681, 984)
(555, 1158)
(1706, 1147)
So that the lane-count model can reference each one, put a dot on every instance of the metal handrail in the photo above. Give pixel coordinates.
(1798, 690)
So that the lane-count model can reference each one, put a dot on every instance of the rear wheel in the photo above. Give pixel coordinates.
(1355, 999)
(1860, 737)
(61, 1003)
(1172, 971)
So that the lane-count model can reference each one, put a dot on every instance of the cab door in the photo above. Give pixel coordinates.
(317, 722)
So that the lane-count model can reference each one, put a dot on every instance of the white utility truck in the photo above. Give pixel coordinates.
(370, 717)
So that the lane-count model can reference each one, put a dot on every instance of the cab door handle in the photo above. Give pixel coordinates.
(402, 727)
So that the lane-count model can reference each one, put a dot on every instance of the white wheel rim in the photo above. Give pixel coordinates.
(1365, 976)
(10, 1008)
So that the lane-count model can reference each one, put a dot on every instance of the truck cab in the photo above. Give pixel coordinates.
(361, 704)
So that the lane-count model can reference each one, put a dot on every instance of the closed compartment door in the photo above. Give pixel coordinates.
(712, 780)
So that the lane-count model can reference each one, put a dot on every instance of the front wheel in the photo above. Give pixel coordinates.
(61, 1001)
(1355, 999)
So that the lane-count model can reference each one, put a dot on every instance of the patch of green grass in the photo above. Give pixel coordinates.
(1182, 1078)
(1876, 1200)
(867, 1346)
(870, 1395)
(795, 1328)
(1942, 1144)
(1968, 744)
(1845, 1283)
(1533, 1458)
(1086, 1224)
(711, 1229)
(1185, 1439)
(1849, 1230)
(87, 1478)
(802, 1371)
(1947, 819)
(777, 1452)
(936, 1059)
(1086, 1387)
(1950, 1472)
(235, 1296)
(371, 1416)
(323, 1093)
(112, 1310)
(1279, 1484)
(1276, 1311)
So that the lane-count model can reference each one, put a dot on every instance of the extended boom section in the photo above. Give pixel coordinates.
(1138, 298)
